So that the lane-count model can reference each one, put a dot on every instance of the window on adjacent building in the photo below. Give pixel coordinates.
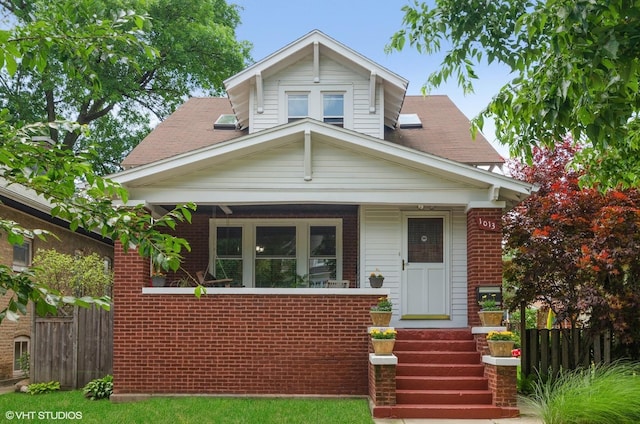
(20, 354)
(333, 109)
(297, 106)
(22, 255)
(278, 253)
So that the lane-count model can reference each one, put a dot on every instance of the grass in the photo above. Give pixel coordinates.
(600, 394)
(191, 409)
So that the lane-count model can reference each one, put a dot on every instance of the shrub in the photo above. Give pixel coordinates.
(600, 394)
(40, 388)
(100, 388)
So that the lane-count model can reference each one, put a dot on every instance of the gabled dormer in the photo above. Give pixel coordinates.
(317, 77)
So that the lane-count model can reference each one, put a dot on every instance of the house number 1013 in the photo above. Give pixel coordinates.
(488, 224)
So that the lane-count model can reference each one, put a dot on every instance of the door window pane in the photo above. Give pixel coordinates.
(426, 240)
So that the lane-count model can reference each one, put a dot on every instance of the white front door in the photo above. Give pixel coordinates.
(425, 290)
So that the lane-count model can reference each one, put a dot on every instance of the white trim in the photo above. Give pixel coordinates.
(315, 98)
(501, 361)
(383, 359)
(259, 93)
(249, 225)
(213, 291)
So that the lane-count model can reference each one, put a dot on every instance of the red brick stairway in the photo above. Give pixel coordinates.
(440, 375)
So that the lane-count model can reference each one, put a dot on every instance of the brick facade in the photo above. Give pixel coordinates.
(236, 343)
(503, 383)
(484, 257)
(67, 242)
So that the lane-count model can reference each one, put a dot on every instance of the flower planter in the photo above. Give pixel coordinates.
(380, 318)
(376, 282)
(500, 348)
(383, 346)
(491, 318)
(158, 281)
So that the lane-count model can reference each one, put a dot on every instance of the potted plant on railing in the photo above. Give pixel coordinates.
(491, 312)
(501, 343)
(158, 278)
(376, 279)
(381, 312)
(383, 340)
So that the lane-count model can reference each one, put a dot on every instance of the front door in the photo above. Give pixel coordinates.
(425, 277)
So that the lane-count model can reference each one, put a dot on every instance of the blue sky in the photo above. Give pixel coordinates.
(365, 26)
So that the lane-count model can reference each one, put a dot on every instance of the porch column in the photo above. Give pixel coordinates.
(484, 255)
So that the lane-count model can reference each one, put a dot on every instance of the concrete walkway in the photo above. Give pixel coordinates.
(526, 417)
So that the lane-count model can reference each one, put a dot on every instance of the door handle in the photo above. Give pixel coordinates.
(403, 264)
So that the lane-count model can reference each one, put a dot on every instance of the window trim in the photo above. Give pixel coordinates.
(316, 98)
(249, 239)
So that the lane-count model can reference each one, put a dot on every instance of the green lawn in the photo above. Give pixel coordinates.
(182, 410)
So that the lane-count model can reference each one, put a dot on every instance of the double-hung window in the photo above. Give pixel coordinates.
(297, 106)
(333, 108)
(277, 252)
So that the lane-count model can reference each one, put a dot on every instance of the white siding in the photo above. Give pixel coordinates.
(381, 237)
(333, 167)
(300, 74)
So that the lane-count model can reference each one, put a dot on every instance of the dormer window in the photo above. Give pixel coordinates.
(333, 108)
(297, 106)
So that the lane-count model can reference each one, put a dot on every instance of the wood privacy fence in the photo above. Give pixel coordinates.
(549, 351)
(72, 350)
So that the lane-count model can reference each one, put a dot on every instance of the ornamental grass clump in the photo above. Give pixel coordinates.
(600, 394)
(383, 305)
(388, 333)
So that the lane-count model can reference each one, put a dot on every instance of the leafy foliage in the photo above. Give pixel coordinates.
(383, 305)
(99, 388)
(141, 64)
(40, 388)
(82, 275)
(65, 178)
(574, 65)
(575, 249)
(387, 333)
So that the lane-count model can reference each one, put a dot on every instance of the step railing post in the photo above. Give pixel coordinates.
(382, 379)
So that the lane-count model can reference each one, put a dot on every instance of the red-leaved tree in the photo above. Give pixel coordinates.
(576, 249)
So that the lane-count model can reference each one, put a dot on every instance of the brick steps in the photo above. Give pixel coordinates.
(440, 375)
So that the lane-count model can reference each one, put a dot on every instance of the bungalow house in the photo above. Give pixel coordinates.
(23, 206)
(316, 167)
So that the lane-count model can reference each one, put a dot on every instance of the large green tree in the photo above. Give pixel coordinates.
(63, 177)
(195, 49)
(575, 66)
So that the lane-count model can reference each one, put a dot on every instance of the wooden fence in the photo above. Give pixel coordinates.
(72, 350)
(549, 351)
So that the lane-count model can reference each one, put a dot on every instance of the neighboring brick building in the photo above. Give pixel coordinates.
(23, 207)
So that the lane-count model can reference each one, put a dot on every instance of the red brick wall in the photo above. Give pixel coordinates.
(382, 384)
(236, 344)
(503, 384)
(484, 257)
